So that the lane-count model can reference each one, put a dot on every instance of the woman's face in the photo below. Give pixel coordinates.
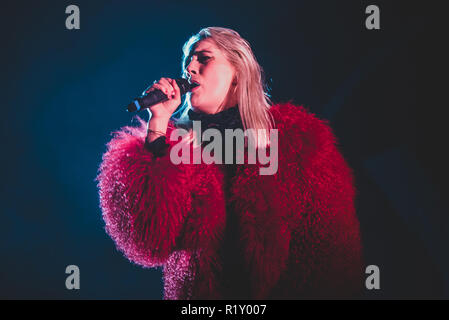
(215, 74)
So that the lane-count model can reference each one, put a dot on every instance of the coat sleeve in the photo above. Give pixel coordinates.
(325, 249)
(144, 199)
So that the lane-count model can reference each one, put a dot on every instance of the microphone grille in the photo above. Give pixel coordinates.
(184, 85)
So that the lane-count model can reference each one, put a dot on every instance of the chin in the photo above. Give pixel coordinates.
(199, 108)
(197, 104)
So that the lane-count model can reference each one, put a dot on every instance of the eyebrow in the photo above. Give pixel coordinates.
(196, 52)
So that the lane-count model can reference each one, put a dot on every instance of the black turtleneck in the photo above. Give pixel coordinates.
(226, 119)
(235, 279)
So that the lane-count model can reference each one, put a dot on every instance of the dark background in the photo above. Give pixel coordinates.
(65, 91)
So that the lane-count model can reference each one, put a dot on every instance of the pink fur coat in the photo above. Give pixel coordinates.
(299, 231)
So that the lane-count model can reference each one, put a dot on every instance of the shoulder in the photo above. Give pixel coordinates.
(300, 127)
(134, 134)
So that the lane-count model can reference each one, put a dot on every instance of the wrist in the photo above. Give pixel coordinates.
(157, 127)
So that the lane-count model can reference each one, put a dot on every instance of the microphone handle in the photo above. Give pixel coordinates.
(156, 96)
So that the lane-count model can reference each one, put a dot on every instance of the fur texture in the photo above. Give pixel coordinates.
(299, 230)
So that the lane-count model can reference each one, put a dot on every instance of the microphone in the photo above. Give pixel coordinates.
(157, 96)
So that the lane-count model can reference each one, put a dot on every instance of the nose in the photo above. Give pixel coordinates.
(192, 68)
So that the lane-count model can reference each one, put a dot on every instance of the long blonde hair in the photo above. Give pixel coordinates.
(253, 100)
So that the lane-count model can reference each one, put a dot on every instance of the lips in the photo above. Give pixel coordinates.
(196, 83)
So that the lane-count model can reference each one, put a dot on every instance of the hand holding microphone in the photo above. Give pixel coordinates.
(161, 99)
(158, 95)
(167, 106)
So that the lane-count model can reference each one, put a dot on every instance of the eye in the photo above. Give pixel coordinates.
(203, 59)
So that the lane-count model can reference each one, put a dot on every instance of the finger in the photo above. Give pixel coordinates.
(149, 89)
(156, 87)
(161, 87)
(176, 88)
(168, 88)
(166, 83)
